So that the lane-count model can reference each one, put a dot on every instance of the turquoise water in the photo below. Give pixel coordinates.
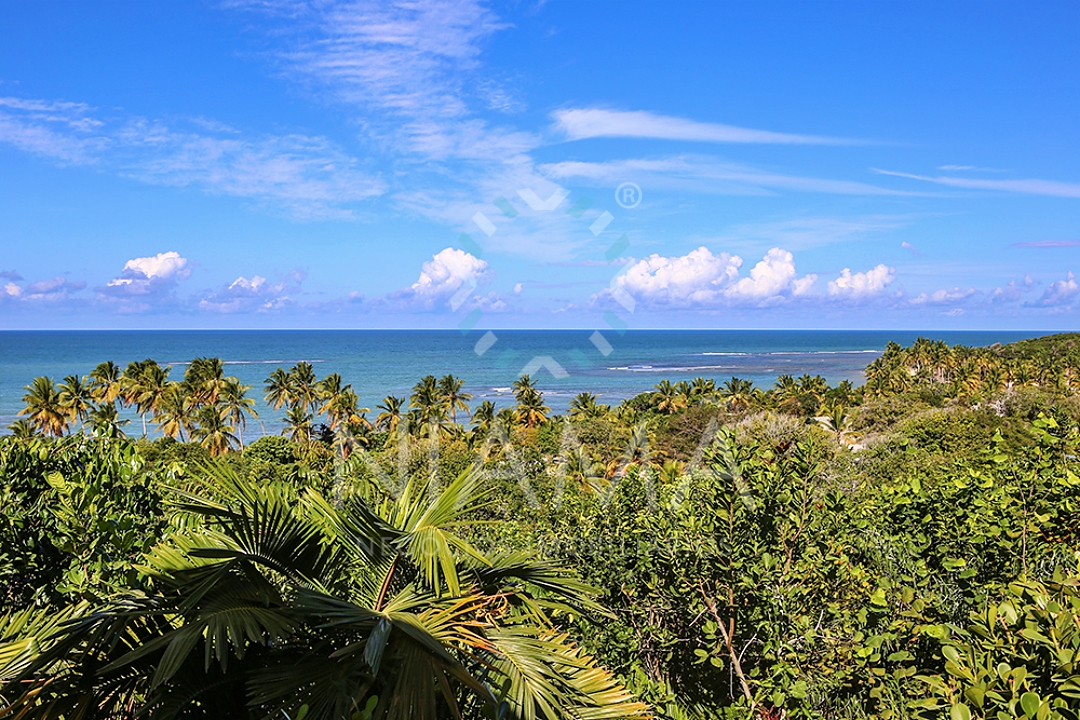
(380, 362)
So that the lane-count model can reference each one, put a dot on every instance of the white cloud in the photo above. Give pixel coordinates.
(702, 279)
(770, 278)
(861, 285)
(450, 275)
(697, 278)
(61, 131)
(1013, 291)
(809, 232)
(12, 290)
(943, 296)
(146, 283)
(56, 290)
(910, 248)
(1061, 293)
(581, 123)
(158, 267)
(309, 177)
(1051, 188)
(405, 56)
(256, 294)
(705, 175)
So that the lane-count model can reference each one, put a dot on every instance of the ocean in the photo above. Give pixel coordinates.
(384, 362)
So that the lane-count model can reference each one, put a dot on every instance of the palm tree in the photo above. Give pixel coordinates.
(483, 417)
(105, 381)
(702, 389)
(235, 406)
(144, 387)
(584, 405)
(578, 465)
(346, 420)
(531, 410)
(450, 389)
(289, 606)
(205, 380)
(23, 429)
(523, 386)
(212, 432)
(278, 389)
(667, 398)
(785, 393)
(304, 390)
(298, 425)
(427, 400)
(737, 393)
(391, 414)
(105, 421)
(834, 419)
(44, 407)
(176, 412)
(76, 397)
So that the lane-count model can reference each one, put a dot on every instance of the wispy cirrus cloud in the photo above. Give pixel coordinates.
(707, 175)
(802, 233)
(584, 123)
(1048, 244)
(306, 177)
(1052, 188)
(61, 131)
(309, 177)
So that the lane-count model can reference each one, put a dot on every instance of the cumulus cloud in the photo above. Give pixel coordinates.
(447, 279)
(943, 296)
(771, 278)
(255, 294)
(702, 279)
(1013, 291)
(146, 282)
(1059, 294)
(862, 285)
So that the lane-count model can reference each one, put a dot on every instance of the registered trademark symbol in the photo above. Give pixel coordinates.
(628, 195)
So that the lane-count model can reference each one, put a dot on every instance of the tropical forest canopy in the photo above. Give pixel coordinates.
(907, 548)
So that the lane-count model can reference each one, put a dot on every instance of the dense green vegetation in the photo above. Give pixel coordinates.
(905, 549)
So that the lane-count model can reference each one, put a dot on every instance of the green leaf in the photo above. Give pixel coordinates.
(1030, 702)
(959, 711)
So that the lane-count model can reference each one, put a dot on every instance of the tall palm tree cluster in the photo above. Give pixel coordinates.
(206, 406)
(305, 399)
(433, 406)
(798, 396)
(959, 370)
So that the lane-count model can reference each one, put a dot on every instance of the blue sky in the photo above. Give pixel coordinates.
(800, 165)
